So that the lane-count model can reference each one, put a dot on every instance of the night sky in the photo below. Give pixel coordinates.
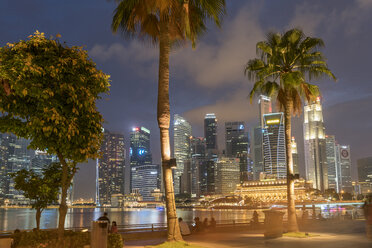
(210, 78)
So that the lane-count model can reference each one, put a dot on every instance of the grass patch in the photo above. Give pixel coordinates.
(175, 245)
(299, 235)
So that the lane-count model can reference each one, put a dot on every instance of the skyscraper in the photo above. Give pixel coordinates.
(294, 156)
(315, 146)
(237, 144)
(110, 168)
(264, 104)
(365, 174)
(344, 178)
(210, 132)
(227, 171)
(41, 160)
(197, 159)
(332, 163)
(182, 149)
(274, 146)
(139, 151)
(145, 179)
(207, 177)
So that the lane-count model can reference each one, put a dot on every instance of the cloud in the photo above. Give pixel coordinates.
(210, 65)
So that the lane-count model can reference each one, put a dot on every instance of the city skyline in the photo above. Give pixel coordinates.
(200, 80)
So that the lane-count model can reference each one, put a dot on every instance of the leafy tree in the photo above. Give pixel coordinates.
(42, 190)
(286, 64)
(52, 102)
(166, 22)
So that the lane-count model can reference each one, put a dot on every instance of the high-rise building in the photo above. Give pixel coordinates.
(110, 168)
(207, 177)
(256, 152)
(146, 180)
(274, 146)
(227, 171)
(197, 159)
(237, 146)
(182, 149)
(365, 174)
(344, 163)
(210, 133)
(315, 146)
(139, 151)
(332, 163)
(294, 156)
(264, 103)
(41, 160)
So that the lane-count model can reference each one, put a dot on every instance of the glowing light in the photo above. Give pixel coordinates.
(274, 121)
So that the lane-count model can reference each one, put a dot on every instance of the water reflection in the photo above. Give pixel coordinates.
(23, 218)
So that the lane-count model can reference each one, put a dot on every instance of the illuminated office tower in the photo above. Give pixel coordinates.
(332, 162)
(344, 165)
(294, 156)
(315, 146)
(274, 146)
(207, 177)
(4, 184)
(139, 150)
(42, 160)
(182, 151)
(365, 174)
(237, 146)
(110, 168)
(197, 158)
(227, 171)
(145, 180)
(210, 134)
(264, 104)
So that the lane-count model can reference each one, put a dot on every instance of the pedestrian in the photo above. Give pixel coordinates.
(185, 230)
(105, 218)
(212, 224)
(197, 225)
(114, 227)
(205, 224)
(254, 218)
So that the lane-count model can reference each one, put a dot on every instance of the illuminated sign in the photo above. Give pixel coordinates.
(241, 127)
(135, 129)
(141, 151)
(130, 151)
(274, 121)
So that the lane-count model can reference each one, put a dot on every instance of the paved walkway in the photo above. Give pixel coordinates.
(330, 235)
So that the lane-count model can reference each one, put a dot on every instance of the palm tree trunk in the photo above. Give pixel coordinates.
(38, 217)
(63, 205)
(174, 233)
(292, 218)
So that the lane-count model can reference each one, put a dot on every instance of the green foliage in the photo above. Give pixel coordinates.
(175, 245)
(185, 19)
(115, 240)
(41, 190)
(286, 63)
(49, 239)
(52, 100)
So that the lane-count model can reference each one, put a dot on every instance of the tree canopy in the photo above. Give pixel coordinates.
(52, 97)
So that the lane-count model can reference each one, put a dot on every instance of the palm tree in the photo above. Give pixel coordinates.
(166, 22)
(286, 64)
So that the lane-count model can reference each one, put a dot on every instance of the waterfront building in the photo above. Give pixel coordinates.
(272, 190)
(186, 178)
(207, 177)
(145, 179)
(198, 151)
(210, 134)
(237, 146)
(41, 160)
(344, 164)
(274, 146)
(227, 175)
(256, 152)
(315, 146)
(332, 163)
(110, 168)
(139, 150)
(264, 104)
(182, 149)
(294, 156)
(365, 172)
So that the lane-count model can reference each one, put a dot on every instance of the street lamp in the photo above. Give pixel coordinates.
(342, 191)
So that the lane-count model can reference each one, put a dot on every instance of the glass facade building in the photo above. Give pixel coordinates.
(145, 179)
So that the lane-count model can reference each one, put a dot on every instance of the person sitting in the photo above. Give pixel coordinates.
(205, 224)
(114, 227)
(197, 225)
(185, 230)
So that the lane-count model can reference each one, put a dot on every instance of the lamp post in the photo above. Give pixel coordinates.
(342, 191)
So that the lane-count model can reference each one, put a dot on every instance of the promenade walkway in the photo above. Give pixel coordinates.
(330, 234)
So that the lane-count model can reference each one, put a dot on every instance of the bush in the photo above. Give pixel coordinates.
(49, 239)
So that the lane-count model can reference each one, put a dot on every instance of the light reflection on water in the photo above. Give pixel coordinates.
(23, 218)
